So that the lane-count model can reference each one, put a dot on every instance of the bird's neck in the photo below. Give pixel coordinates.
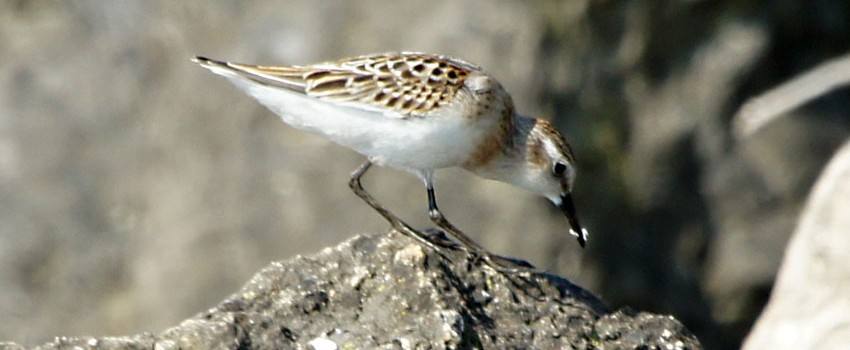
(499, 155)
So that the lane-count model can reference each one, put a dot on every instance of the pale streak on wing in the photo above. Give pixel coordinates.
(397, 85)
(290, 78)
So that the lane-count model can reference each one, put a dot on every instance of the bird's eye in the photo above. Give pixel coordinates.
(559, 168)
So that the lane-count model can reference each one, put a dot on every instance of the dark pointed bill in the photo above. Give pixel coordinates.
(570, 211)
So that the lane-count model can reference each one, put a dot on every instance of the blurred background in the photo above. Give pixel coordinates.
(137, 189)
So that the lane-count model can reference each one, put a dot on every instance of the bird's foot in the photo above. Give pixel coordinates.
(439, 238)
(499, 263)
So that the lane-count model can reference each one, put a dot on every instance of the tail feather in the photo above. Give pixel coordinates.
(289, 78)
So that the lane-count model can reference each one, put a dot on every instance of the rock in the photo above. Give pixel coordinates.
(385, 292)
(810, 307)
(10, 346)
(123, 164)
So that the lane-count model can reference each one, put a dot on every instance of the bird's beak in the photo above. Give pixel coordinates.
(570, 211)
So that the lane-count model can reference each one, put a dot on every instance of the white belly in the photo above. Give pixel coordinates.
(408, 144)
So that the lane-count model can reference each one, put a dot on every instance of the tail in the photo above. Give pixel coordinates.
(289, 78)
(208, 62)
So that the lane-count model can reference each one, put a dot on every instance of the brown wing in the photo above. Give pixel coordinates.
(407, 83)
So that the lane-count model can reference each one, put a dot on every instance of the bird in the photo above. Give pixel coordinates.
(418, 112)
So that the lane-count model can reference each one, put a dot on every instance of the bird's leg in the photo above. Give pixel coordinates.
(396, 223)
(469, 245)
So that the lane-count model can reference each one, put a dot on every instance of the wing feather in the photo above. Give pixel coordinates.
(398, 84)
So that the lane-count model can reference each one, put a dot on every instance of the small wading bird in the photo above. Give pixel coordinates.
(417, 113)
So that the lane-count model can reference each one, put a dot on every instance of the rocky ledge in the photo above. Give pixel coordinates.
(387, 292)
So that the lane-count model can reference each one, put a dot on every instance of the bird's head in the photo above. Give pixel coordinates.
(550, 167)
(542, 162)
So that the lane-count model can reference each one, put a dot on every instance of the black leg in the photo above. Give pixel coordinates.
(470, 245)
(396, 223)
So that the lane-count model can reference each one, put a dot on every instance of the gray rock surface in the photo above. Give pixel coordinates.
(385, 292)
(810, 304)
(123, 164)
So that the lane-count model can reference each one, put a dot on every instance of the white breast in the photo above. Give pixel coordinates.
(414, 143)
